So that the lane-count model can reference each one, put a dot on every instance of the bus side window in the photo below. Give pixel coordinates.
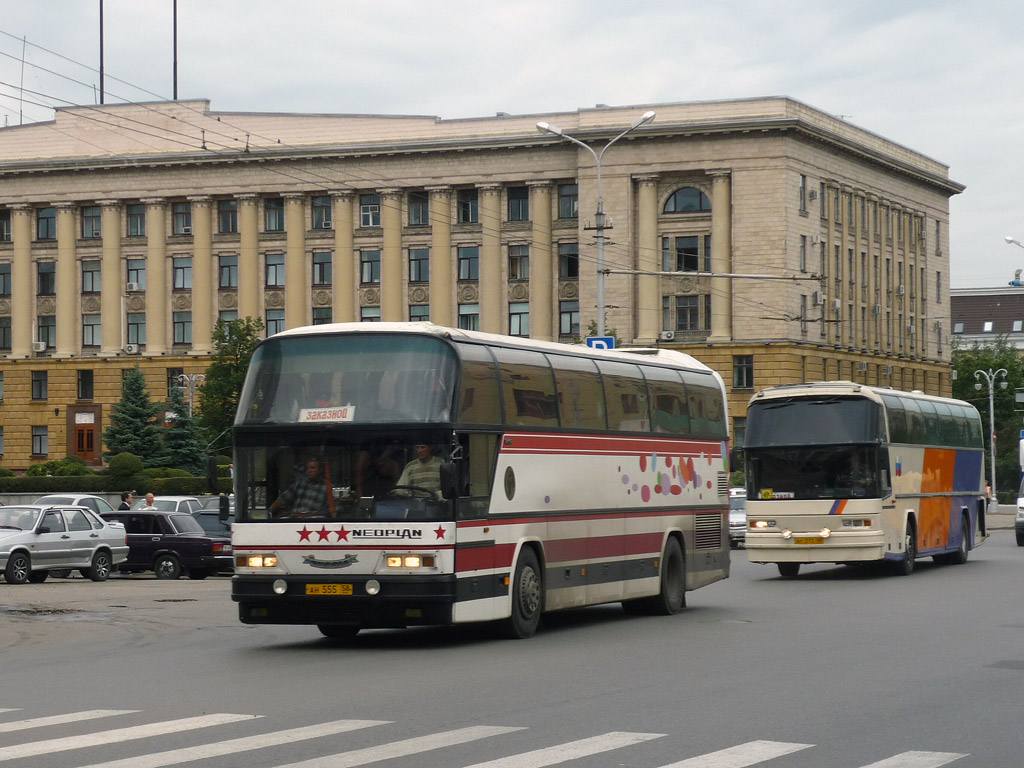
(885, 486)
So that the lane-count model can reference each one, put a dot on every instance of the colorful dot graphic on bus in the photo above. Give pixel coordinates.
(665, 476)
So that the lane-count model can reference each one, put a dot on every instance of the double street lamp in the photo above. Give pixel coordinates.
(599, 219)
(991, 377)
(191, 383)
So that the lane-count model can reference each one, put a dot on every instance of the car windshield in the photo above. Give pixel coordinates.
(18, 518)
(186, 524)
(55, 500)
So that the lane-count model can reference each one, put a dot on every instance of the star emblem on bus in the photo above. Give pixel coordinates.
(324, 534)
(439, 531)
(304, 534)
(343, 533)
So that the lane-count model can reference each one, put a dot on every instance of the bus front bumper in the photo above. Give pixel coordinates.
(812, 547)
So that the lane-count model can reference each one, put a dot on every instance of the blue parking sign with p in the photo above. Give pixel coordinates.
(601, 342)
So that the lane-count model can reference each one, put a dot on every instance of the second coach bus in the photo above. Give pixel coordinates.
(398, 474)
(838, 472)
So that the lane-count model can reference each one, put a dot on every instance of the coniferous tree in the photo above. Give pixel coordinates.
(134, 426)
(183, 446)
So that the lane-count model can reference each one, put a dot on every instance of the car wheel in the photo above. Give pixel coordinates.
(789, 570)
(197, 574)
(527, 597)
(100, 568)
(38, 577)
(18, 569)
(1020, 538)
(167, 567)
(60, 573)
(338, 631)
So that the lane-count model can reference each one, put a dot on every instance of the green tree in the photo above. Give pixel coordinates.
(991, 357)
(134, 426)
(183, 445)
(233, 345)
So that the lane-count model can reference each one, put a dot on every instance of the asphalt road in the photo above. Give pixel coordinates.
(844, 667)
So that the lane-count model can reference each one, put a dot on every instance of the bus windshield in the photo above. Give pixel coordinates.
(360, 378)
(815, 472)
(814, 421)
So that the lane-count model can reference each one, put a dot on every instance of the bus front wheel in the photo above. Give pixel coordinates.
(527, 597)
(789, 570)
(905, 567)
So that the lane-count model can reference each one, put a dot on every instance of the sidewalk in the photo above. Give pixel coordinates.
(1002, 516)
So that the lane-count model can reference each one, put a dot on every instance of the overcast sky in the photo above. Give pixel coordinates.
(943, 78)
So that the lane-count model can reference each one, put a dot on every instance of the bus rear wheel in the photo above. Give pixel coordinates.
(672, 597)
(959, 557)
(527, 597)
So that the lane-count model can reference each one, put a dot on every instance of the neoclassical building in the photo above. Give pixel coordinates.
(773, 241)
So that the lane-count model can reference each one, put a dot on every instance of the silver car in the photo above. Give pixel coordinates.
(737, 516)
(37, 538)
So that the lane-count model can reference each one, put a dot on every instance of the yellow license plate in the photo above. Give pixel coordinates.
(809, 540)
(328, 589)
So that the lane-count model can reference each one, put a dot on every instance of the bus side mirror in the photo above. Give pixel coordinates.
(449, 480)
(225, 509)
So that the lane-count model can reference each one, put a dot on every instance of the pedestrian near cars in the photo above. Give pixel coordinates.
(126, 500)
(150, 501)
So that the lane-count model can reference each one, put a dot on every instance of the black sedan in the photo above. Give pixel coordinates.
(170, 543)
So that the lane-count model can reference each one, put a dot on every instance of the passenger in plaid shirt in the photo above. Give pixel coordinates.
(307, 495)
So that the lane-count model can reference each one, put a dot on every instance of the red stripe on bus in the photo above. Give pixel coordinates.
(581, 516)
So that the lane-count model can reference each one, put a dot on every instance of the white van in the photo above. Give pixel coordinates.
(738, 517)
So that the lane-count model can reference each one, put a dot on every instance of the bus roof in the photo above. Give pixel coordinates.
(849, 388)
(670, 357)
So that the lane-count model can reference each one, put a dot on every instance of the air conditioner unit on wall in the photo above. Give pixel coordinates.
(667, 335)
(131, 349)
(133, 287)
(862, 367)
(886, 370)
(877, 309)
(38, 346)
(837, 304)
(900, 290)
(813, 194)
(326, 224)
(818, 299)
(186, 230)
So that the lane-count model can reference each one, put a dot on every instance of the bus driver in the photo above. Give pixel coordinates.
(307, 495)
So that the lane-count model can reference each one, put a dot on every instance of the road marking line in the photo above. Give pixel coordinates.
(403, 748)
(118, 735)
(742, 755)
(572, 750)
(71, 717)
(917, 760)
(233, 746)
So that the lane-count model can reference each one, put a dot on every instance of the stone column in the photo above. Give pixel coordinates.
(489, 296)
(873, 340)
(648, 257)
(721, 255)
(203, 309)
(22, 332)
(68, 315)
(344, 272)
(250, 300)
(442, 268)
(392, 303)
(110, 274)
(156, 276)
(543, 278)
(297, 310)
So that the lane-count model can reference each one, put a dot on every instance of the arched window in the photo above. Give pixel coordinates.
(687, 200)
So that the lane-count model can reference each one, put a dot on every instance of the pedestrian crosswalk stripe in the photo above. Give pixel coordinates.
(71, 717)
(234, 746)
(572, 750)
(917, 760)
(403, 748)
(118, 735)
(751, 753)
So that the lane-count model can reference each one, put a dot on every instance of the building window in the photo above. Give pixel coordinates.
(519, 318)
(46, 224)
(182, 327)
(92, 221)
(40, 441)
(5, 333)
(821, 200)
(568, 201)
(136, 327)
(91, 282)
(468, 206)
(227, 216)
(136, 220)
(836, 210)
(419, 265)
(1, 441)
(369, 267)
(91, 330)
(519, 262)
(275, 270)
(172, 379)
(688, 313)
(5, 279)
(803, 314)
(183, 273)
(568, 318)
(469, 317)
(987, 327)
(518, 203)
(369, 314)
(46, 330)
(5, 225)
(419, 313)
(85, 385)
(40, 385)
(938, 287)
(137, 272)
(689, 253)
(227, 315)
(743, 371)
(273, 214)
(803, 194)
(803, 253)
(469, 262)
(46, 284)
(321, 205)
(227, 272)
(322, 267)
(687, 200)
(1, 389)
(419, 209)
(275, 321)
(322, 315)
(181, 218)
(369, 210)
(569, 261)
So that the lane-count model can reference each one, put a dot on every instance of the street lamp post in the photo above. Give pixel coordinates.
(599, 218)
(991, 377)
(191, 383)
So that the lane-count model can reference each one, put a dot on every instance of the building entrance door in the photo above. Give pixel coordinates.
(85, 442)
(83, 435)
